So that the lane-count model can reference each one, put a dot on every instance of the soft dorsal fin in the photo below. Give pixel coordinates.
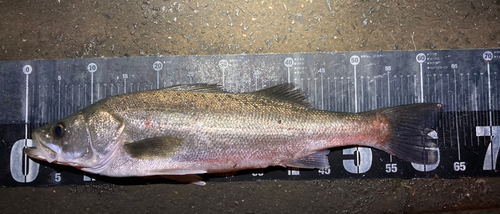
(286, 91)
(199, 87)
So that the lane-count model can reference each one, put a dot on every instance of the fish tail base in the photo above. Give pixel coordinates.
(411, 134)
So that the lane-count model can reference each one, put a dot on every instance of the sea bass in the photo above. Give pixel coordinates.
(196, 129)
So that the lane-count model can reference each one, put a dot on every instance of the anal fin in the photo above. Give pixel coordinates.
(186, 179)
(318, 160)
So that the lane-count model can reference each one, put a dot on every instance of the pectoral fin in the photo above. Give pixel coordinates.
(158, 147)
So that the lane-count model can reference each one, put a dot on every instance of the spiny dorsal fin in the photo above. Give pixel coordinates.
(199, 87)
(286, 91)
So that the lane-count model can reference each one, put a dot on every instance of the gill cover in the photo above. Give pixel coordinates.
(105, 135)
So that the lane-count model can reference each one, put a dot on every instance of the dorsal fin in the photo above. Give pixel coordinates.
(286, 91)
(199, 87)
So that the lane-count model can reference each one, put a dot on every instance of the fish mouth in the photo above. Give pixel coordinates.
(41, 150)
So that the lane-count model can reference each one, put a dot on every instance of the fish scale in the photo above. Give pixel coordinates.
(221, 139)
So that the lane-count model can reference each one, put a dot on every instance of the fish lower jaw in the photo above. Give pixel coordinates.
(90, 170)
(35, 153)
(41, 150)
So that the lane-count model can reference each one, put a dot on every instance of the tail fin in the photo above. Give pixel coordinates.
(410, 126)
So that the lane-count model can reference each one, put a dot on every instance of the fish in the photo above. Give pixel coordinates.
(187, 130)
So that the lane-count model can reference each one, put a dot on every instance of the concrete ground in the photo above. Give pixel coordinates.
(120, 28)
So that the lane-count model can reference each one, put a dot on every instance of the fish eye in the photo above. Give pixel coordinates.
(59, 130)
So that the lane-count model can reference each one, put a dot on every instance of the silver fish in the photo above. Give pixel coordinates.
(196, 129)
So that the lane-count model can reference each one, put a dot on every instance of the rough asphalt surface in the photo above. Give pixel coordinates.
(74, 29)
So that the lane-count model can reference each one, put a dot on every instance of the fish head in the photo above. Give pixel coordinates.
(85, 140)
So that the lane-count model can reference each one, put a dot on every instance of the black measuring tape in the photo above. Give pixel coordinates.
(466, 82)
